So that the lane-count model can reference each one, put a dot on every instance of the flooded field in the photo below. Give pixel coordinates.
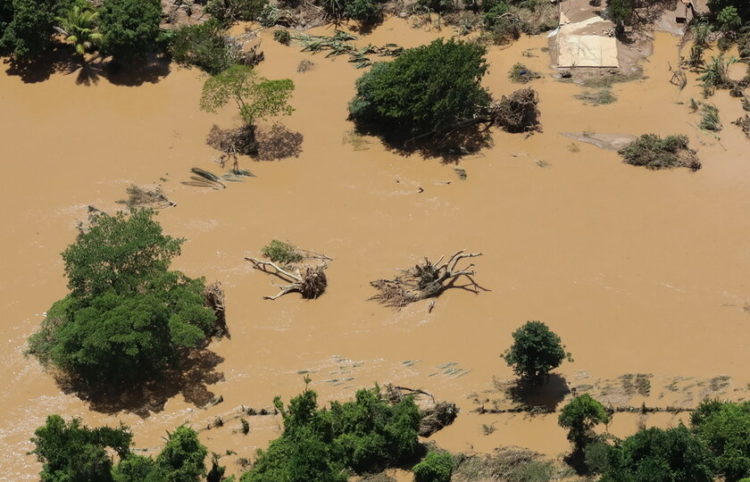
(639, 272)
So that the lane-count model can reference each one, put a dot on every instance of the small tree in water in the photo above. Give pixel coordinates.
(536, 350)
(579, 417)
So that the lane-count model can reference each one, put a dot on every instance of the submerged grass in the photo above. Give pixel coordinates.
(599, 97)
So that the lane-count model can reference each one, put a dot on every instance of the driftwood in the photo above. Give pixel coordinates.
(214, 295)
(426, 280)
(310, 284)
(517, 112)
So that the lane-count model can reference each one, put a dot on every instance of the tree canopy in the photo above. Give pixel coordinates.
(204, 46)
(130, 27)
(725, 428)
(536, 350)
(428, 89)
(254, 96)
(28, 25)
(127, 316)
(579, 417)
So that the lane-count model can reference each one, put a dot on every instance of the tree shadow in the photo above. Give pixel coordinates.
(196, 372)
(39, 69)
(544, 397)
(278, 142)
(132, 73)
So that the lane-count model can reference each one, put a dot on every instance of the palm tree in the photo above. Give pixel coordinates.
(79, 28)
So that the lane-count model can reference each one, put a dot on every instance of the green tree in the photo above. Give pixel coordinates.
(135, 468)
(127, 317)
(254, 96)
(435, 467)
(80, 29)
(230, 11)
(654, 454)
(204, 46)
(426, 90)
(130, 27)
(580, 416)
(182, 458)
(725, 428)
(729, 19)
(621, 12)
(536, 350)
(29, 25)
(742, 7)
(73, 452)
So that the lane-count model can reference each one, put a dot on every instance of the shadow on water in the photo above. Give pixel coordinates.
(545, 396)
(191, 379)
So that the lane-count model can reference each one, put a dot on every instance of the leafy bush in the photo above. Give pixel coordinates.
(729, 19)
(653, 152)
(426, 90)
(130, 27)
(725, 428)
(366, 12)
(230, 11)
(367, 434)
(282, 36)
(579, 417)
(204, 46)
(502, 26)
(710, 119)
(741, 7)
(536, 350)
(127, 317)
(522, 74)
(435, 467)
(281, 252)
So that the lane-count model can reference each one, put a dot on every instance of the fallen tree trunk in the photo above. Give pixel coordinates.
(310, 285)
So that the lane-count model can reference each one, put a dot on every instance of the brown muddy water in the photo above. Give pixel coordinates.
(638, 271)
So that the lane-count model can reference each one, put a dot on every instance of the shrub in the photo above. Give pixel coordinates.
(426, 90)
(130, 27)
(127, 317)
(598, 97)
(204, 46)
(719, 7)
(282, 36)
(653, 152)
(435, 467)
(710, 119)
(536, 350)
(230, 11)
(522, 74)
(501, 26)
(366, 12)
(579, 417)
(725, 428)
(281, 252)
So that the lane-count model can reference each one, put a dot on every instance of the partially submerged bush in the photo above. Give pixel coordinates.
(282, 36)
(229, 11)
(653, 152)
(580, 416)
(435, 467)
(522, 74)
(518, 112)
(204, 46)
(710, 119)
(281, 252)
(598, 97)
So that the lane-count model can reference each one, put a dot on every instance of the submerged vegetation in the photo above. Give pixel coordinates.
(653, 152)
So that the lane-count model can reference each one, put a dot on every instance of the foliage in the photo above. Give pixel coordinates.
(598, 97)
(127, 317)
(579, 417)
(715, 74)
(204, 46)
(656, 454)
(621, 11)
(182, 457)
(255, 96)
(29, 25)
(522, 74)
(725, 428)
(710, 119)
(435, 467)
(427, 89)
(318, 444)
(74, 452)
(80, 27)
(366, 12)
(130, 27)
(597, 456)
(536, 350)
(282, 36)
(729, 19)
(742, 7)
(501, 25)
(281, 252)
(653, 152)
(230, 11)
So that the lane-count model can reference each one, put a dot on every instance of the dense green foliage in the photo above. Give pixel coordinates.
(254, 96)
(28, 25)
(621, 11)
(435, 467)
(127, 316)
(725, 428)
(281, 252)
(75, 453)
(80, 27)
(366, 12)
(130, 27)
(229, 11)
(536, 350)
(653, 152)
(427, 89)
(579, 417)
(282, 36)
(204, 46)
(654, 454)
(741, 6)
(366, 434)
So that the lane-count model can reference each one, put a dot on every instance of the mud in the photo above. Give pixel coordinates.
(638, 271)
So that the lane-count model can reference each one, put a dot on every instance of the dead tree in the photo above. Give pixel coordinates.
(426, 280)
(310, 285)
(517, 112)
(214, 295)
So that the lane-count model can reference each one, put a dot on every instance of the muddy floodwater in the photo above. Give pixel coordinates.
(640, 272)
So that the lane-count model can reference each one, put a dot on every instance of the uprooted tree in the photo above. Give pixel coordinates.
(426, 280)
(309, 280)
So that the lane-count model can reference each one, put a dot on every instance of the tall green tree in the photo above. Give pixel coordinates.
(182, 458)
(725, 428)
(130, 27)
(580, 416)
(80, 29)
(29, 25)
(254, 96)
(426, 90)
(127, 316)
(536, 350)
